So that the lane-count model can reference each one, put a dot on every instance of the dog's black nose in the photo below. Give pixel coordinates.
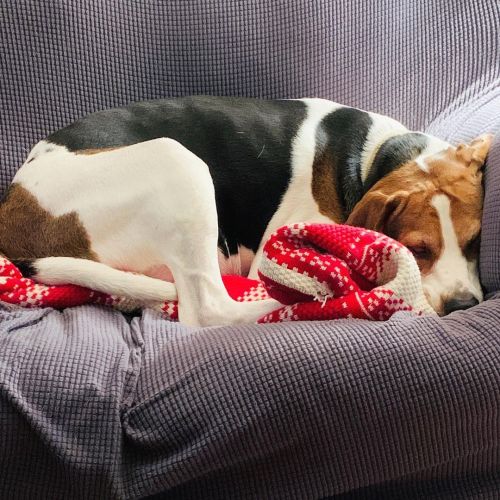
(462, 302)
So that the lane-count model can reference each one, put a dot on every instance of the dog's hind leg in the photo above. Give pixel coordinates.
(142, 206)
(188, 230)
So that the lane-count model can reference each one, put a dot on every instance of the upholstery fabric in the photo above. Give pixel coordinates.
(92, 407)
(62, 59)
(94, 404)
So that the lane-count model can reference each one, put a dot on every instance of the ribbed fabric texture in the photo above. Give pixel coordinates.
(92, 406)
(62, 380)
(408, 407)
(314, 410)
(490, 237)
(62, 59)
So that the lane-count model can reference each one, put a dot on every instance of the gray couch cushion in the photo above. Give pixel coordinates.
(91, 407)
(490, 240)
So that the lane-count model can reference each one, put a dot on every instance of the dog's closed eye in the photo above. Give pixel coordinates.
(420, 251)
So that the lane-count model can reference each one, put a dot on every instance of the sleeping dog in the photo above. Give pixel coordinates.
(180, 189)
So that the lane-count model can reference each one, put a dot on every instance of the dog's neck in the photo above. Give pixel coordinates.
(389, 154)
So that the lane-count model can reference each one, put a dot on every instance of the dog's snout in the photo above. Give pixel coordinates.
(458, 303)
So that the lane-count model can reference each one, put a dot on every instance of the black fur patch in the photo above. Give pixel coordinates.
(246, 143)
(342, 133)
(26, 266)
(393, 153)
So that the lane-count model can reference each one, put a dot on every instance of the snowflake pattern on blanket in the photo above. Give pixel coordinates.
(318, 271)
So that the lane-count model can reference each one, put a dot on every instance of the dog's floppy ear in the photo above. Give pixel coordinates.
(473, 155)
(375, 208)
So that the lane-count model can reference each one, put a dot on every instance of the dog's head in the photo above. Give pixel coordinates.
(434, 206)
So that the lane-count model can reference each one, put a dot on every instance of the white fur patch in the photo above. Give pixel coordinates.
(421, 164)
(434, 146)
(452, 274)
(43, 147)
(148, 207)
(100, 277)
(382, 129)
(298, 203)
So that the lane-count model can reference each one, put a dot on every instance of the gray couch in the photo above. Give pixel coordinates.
(94, 404)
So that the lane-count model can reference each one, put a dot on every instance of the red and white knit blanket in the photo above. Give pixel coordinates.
(318, 271)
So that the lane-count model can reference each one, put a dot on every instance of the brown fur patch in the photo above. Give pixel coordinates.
(29, 231)
(399, 205)
(324, 188)
(462, 182)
